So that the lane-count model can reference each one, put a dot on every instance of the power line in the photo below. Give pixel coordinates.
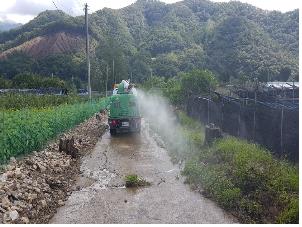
(61, 10)
(55, 5)
(66, 9)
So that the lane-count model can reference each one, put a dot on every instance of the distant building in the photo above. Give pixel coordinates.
(282, 85)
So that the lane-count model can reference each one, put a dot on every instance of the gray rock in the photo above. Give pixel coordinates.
(13, 159)
(2, 210)
(3, 177)
(61, 203)
(18, 173)
(14, 215)
(43, 203)
(5, 202)
(25, 220)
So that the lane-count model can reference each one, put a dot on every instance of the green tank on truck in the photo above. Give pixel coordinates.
(124, 114)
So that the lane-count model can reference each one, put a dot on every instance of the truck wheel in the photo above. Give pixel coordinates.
(112, 132)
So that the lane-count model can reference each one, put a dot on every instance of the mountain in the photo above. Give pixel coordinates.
(7, 25)
(232, 39)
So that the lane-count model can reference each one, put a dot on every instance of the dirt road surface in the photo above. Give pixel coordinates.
(100, 196)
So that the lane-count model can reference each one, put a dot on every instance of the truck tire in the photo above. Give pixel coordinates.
(113, 132)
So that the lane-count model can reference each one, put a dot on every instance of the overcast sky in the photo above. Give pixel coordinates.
(22, 11)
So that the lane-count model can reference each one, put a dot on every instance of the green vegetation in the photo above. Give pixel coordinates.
(23, 131)
(27, 80)
(15, 101)
(197, 82)
(192, 134)
(60, 71)
(177, 89)
(246, 179)
(134, 180)
(233, 40)
(242, 177)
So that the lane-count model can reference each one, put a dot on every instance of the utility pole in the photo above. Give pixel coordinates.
(107, 71)
(113, 71)
(87, 51)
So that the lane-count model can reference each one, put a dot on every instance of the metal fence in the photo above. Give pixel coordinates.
(273, 125)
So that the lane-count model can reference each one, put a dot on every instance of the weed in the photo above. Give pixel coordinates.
(134, 180)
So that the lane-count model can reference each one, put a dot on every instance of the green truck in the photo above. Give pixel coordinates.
(124, 114)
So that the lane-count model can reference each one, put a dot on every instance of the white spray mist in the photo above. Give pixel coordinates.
(161, 118)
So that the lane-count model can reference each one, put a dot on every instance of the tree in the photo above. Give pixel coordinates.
(112, 54)
(197, 82)
(28, 80)
(173, 91)
(155, 82)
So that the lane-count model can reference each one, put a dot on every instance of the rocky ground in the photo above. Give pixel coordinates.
(32, 188)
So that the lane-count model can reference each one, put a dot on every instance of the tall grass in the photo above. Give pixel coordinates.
(247, 180)
(22, 131)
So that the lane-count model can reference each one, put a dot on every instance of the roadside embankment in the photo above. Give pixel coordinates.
(242, 177)
(247, 180)
(33, 187)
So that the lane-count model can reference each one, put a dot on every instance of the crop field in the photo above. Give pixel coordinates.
(15, 101)
(25, 130)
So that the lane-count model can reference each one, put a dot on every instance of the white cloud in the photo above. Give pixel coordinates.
(22, 11)
(280, 5)
(27, 7)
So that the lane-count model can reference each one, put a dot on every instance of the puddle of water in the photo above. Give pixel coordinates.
(171, 170)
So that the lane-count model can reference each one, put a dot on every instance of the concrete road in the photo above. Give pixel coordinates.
(101, 197)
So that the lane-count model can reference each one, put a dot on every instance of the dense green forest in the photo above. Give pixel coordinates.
(233, 40)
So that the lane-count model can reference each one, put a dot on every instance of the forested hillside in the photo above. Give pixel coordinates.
(234, 40)
(7, 25)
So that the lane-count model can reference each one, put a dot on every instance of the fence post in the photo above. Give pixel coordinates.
(239, 118)
(254, 123)
(200, 115)
(209, 110)
(222, 114)
(281, 129)
(293, 92)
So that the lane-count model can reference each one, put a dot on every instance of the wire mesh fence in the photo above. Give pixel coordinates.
(273, 125)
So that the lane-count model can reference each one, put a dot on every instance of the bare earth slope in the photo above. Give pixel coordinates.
(43, 46)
